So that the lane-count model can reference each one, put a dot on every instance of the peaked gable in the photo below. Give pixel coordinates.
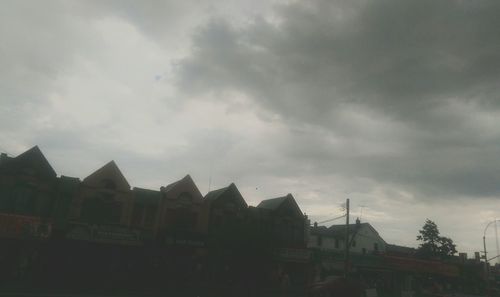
(291, 206)
(282, 204)
(271, 204)
(109, 176)
(354, 228)
(230, 192)
(184, 185)
(31, 162)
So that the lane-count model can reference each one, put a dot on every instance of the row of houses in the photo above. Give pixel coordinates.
(99, 231)
(99, 219)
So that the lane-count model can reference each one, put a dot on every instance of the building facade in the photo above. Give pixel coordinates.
(363, 238)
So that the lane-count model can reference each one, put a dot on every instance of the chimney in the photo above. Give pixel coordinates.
(477, 257)
(463, 257)
(358, 222)
(315, 224)
(3, 157)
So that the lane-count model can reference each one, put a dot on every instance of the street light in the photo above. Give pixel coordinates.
(486, 265)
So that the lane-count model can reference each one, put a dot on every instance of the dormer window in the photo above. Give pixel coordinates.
(185, 198)
(108, 184)
(230, 206)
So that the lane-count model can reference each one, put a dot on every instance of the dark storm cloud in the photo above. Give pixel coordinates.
(400, 56)
(404, 92)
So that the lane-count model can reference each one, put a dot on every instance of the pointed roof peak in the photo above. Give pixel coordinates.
(278, 202)
(185, 184)
(215, 194)
(272, 203)
(32, 160)
(188, 178)
(108, 172)
(35, 150)
(111, 163)
(172, 185)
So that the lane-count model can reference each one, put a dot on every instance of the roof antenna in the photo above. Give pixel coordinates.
(210, 176)
(361, 211)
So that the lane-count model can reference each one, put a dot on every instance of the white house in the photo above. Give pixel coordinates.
(363, 237)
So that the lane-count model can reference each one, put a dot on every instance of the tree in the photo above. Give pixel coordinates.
(434, 245)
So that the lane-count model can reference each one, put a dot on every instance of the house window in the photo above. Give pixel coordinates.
(137, 214)
(218, 220)
(185, 218)
(116, 211)
(102, 209)
(108, 184)
(319, 240)
(150, 215)
(26, 202)
(92, 210)
(185, 199)
(375, 247)
(337, 243)
(230, 206)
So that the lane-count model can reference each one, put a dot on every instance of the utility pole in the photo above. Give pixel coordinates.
(347, 242)
(496, 238)
(485, 256)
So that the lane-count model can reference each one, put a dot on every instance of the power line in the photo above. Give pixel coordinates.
(329, 220)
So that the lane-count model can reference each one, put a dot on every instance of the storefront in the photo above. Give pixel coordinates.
(293, 267)
(415, 275)
(184, 257)
(22, 240)
(94, 256)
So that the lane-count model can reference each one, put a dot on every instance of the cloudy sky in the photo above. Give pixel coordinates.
(393, 104)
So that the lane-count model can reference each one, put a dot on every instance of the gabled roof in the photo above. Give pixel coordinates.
(340, 229)
(169, 187)
(229, 190)
(320, 230)
(280, 202)
(272, 204)
(31, 160)
(146, 196)
(111, 172)
(186, 183)
(215, 194)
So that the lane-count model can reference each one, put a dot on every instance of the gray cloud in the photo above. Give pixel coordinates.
(403, 58)
(393, 104)
(404, 93)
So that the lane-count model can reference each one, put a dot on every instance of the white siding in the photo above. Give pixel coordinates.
(365, 238)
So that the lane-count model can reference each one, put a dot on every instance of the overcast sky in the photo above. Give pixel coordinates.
(393, 104)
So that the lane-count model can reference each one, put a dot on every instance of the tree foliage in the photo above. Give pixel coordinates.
(433, 244)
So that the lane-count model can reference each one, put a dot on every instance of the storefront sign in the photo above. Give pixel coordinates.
(416, 265)
(80, 233)
(107, 233)
(184, 241)
(293, 255)
(104, 234)
(18, 226)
